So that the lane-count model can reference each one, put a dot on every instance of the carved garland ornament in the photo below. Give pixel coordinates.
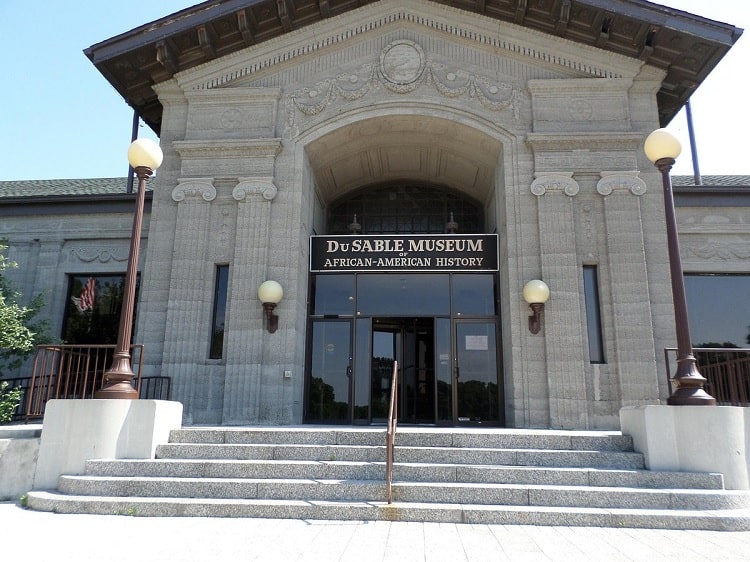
(88, 255)
(717, 252)
(402, 69)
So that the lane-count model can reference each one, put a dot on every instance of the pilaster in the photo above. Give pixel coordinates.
(632, 339)
(245, 332)
(189, 297)
(562, 328)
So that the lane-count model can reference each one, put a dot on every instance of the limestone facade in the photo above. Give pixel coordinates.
(545, 133)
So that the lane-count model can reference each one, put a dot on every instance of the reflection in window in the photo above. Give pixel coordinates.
(403, 294)
(333, 295)
(473, 294)
(328, 392)
(219, 312)
(718, 309)
(92, 314)
(405, 209)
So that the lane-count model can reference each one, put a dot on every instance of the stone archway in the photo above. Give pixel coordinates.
(412, 147)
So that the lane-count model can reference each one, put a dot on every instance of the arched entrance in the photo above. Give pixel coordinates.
(424, 186)
(401, 298)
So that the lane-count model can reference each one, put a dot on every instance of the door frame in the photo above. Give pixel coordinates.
(500, 420)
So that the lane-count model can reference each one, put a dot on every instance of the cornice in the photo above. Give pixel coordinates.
(252, 148)
(615, 140)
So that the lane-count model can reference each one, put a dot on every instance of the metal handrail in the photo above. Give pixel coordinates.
(72, 371)
(390, 435)
(726, 370)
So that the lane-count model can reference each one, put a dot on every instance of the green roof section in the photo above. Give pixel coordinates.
(712, 181)
(42, 188)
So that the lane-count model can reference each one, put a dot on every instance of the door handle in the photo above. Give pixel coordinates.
(349, 372)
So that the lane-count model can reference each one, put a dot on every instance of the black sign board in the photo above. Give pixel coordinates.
(413, 252)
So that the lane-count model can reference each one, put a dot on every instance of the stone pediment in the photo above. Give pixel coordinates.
(385, 52)
(441, 30)
(684, 46)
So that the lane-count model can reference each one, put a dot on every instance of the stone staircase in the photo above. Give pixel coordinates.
(501, 476)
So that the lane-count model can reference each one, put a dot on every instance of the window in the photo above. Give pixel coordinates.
(405, 208)
(593, 314)
(718, 309)
(219, 313)
(92, 310)
(332, 295)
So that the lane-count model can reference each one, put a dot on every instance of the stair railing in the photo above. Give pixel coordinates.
(390, 435)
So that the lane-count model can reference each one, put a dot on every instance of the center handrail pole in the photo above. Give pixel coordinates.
(390, 435)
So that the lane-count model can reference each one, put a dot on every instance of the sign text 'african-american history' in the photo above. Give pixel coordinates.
(415, 253)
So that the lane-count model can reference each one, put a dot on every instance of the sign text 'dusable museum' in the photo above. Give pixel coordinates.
(352, 253)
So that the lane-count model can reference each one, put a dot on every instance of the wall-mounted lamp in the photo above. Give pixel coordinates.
(536, 293)
(270, 294)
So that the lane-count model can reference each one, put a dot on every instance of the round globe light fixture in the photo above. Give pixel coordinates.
(536, 293)
(662, 144)
(145, 153)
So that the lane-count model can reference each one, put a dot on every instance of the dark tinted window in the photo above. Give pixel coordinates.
(333, 295)
(473, 295)
(403, 294)
(718, 309)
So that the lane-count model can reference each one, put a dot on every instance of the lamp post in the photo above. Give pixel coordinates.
(145, 156)
(662, 148)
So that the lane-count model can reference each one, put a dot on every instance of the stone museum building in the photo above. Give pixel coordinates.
(401, 169)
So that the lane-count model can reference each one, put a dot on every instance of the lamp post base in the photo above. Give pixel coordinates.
(118, 381)
(691, 396)
(122, 390)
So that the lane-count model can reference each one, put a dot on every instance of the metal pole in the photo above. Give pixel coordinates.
(693, 147)
(118, 380)
(689, 381)
(133, 136)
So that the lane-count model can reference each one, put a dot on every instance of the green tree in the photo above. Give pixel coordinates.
(19, 331)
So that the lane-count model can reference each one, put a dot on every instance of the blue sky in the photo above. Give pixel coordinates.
(61, 118)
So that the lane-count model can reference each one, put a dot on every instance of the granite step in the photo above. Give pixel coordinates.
(410, 436)
(417, 472)
(414, 454)
(454, 475)
(716, 520)
(425, 492)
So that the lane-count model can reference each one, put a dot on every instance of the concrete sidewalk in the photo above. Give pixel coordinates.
(37, 537)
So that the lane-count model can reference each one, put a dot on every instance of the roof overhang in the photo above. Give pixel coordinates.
(686, 46)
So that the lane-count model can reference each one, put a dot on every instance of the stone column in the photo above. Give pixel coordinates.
(189, 300)
(562, 325)
(245, 331)
(631, 305)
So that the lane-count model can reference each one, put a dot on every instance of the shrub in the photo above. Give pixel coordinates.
(9, 401)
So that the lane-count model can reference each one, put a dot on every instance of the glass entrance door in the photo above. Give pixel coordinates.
(476, 374)
(411, 342)
(329, 379)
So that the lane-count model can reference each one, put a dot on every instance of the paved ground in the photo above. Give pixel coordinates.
(35, 537)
